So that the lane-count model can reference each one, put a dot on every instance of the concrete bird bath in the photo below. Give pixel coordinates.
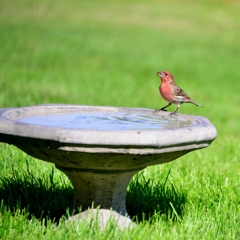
(101, 148)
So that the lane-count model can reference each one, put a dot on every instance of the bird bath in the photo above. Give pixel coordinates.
(101, 148)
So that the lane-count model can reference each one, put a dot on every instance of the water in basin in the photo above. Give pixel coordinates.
(109, 121)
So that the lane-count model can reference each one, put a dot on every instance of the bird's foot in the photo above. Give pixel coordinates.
(158, 110)
(173, 114)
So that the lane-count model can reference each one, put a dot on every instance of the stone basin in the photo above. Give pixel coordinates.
(101, 148)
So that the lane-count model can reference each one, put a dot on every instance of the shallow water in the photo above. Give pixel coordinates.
(110, 121)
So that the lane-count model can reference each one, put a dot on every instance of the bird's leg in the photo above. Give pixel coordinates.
(163, 109)
(176, 111)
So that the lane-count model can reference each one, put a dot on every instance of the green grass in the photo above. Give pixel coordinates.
(108, 53)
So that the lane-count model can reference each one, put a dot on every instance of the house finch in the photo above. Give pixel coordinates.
(171, 92)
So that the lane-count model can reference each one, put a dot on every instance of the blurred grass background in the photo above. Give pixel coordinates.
(108, 53)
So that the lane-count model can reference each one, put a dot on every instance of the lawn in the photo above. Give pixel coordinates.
(108, 53)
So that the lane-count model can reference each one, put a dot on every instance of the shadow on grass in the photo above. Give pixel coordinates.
(38, 196)
(150, 199)
(41, 197)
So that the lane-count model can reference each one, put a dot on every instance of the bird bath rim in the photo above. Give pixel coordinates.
(11, 124)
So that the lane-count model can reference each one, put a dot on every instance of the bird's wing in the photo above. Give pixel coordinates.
(178, 91)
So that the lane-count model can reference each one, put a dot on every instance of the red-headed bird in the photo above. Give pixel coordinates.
(172, 93)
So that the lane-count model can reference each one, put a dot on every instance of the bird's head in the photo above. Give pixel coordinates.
(166, 76)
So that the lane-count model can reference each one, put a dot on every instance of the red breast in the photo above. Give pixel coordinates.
(166, 91)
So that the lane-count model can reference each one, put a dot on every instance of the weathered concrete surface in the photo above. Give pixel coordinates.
(106, 189)
(100, 163)
(102, 217)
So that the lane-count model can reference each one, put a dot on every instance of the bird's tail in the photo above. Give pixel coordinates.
(191, 101)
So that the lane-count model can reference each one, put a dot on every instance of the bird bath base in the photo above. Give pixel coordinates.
(101, 148)
(106, 189)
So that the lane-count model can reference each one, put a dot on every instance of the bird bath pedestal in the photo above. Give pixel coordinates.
(101, 148)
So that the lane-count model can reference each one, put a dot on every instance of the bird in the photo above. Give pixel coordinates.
(172, 93)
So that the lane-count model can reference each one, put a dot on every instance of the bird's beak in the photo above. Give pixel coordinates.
(159, 74)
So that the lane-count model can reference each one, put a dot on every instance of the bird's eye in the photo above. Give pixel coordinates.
(165, 74)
